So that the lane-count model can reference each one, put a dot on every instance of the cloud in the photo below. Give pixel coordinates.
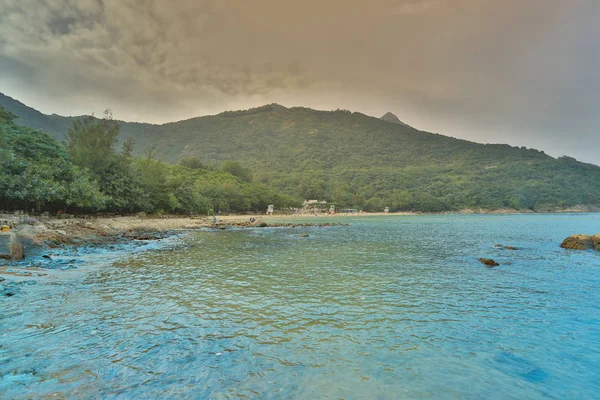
(414, 6)
(521, 72)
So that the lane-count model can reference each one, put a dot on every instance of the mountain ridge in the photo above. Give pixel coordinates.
(355, 159)
(9, 102)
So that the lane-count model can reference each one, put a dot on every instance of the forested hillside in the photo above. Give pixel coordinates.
(355, 160)
(90, 174)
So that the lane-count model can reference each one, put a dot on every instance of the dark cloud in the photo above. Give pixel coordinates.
(61, 25)
(526, 73)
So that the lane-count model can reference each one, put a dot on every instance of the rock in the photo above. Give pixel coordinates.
(9, 290)
(596, 241)
(510, 248)
(10, 246)
(578, 242)
(489, 262)
(146, 237)
(263, 225)
(304, 235)
(31, 231)
(60, 232)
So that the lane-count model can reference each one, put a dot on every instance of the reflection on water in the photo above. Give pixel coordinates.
(386, 308)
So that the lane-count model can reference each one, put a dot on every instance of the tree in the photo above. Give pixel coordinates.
(151, 152)
(374, 204)
(191, 162)
(236, 169)
(83, 193)
(91, 142)
(6, 116)
(128, 146)
(91, 145)
(312, 188)
(153, 175)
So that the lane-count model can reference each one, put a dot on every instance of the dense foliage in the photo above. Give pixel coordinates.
(88, 174)
(355, 160)
(35, 172)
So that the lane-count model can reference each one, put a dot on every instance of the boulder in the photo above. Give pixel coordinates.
(489, 262)
(596, 241)
(578, 242)
(10, 246)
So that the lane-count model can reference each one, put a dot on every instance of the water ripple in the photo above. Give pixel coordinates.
(385, 308)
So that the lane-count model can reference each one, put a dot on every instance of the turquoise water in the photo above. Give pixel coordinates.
(387, 308)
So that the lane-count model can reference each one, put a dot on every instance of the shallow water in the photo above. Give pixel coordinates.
(388, 308)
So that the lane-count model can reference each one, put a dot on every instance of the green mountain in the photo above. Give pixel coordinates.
(54, 125)
(88, 174)
(356, 160)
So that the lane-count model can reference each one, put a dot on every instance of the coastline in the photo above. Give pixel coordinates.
(56, 245)
(39, 236)
(59, 244)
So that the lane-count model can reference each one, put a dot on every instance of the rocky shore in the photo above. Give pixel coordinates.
(36, 236)
(33, 247)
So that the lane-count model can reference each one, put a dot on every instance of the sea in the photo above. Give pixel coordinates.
(394, 307)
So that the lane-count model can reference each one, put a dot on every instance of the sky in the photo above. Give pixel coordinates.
(522, 72)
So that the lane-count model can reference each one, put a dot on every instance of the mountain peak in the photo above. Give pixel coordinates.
(389, 117)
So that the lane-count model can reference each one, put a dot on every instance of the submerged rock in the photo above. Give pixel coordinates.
(9, 290)
(304, 235)
(506, 247)
(581, 242)
(489, 262)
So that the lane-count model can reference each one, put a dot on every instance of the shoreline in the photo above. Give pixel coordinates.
(56, 246)
(38, 236)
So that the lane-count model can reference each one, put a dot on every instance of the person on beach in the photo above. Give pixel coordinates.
(215, 220)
